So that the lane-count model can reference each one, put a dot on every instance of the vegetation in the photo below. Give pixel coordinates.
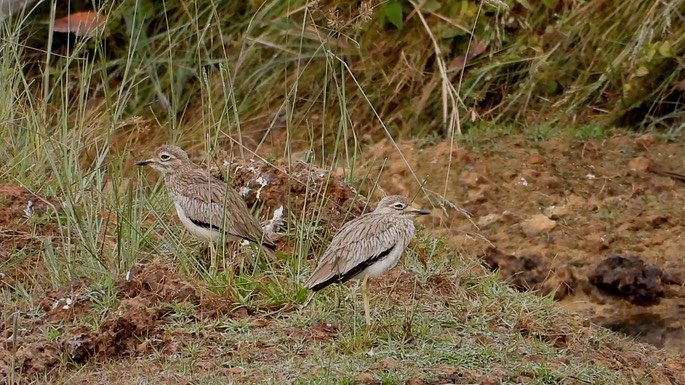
(275, 80)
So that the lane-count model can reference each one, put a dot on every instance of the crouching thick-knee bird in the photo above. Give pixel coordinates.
(207, 207)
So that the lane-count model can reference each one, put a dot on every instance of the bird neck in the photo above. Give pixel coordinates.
(178, 174)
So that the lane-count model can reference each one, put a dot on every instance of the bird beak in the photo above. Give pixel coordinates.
(418, 210)
(144, 162)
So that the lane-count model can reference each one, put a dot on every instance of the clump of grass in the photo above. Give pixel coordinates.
(247, 70)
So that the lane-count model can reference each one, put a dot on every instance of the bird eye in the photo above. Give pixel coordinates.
(398, 206)
(164, 157)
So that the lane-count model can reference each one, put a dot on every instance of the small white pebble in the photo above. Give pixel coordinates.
(28, 210)
(68, 303)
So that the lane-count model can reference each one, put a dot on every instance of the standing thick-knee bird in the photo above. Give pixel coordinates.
(207, 207)
(367, 247)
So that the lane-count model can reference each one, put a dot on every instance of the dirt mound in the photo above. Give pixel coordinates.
(298, 188)
(300, 192)
(317, 332)
(454, 375)
(19, 233)
(135, 326)
(629, 278)
(18, 202)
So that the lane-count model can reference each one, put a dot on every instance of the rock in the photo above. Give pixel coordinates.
(646, 140)
(388, 363)
(509, 218)
(557, 212)
(674, 365)
(478, 196)
(649, 327)
(487, 220)
(639, 164)
(537, 224)
(367, 378)
(534, 159)
(629, 278)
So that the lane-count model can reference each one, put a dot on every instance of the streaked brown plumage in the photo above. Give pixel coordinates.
(206, 206)
(367, 247)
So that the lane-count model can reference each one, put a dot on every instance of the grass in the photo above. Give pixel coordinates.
(269, 85)
(477, 330)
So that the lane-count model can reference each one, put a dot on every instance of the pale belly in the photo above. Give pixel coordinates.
(203, 233)
(384, 265)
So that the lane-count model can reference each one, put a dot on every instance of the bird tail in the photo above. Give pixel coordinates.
(270, 251)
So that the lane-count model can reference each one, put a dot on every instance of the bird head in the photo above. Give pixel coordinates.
(168, 159)
(399, 205)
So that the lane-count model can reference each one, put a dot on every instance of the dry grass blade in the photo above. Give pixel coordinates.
(450, 95)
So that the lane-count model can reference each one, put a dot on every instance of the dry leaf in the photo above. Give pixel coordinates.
(83, 23)
(460, 61)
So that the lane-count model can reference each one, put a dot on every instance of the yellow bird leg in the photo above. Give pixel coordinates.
(213, 258)
(365, 299)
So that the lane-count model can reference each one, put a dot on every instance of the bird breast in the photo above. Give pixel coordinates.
(404, 232)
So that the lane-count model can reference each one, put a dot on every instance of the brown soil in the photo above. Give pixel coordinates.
(24, 228)
(134, 327)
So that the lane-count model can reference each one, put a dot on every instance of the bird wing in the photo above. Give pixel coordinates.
(216, 205)
(358, 244)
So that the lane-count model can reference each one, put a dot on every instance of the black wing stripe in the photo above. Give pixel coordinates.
(205, 225)
(342, 278)
(217, 228)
